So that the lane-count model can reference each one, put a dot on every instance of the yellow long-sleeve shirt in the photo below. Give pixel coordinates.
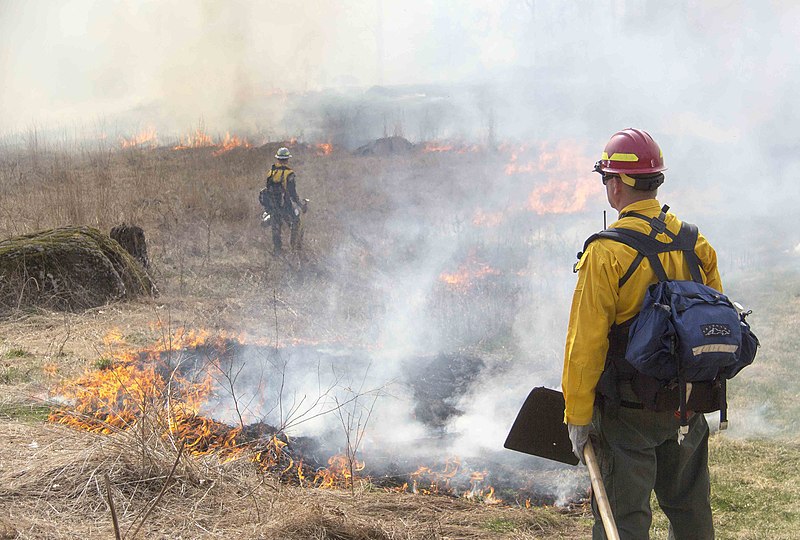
(599, 302)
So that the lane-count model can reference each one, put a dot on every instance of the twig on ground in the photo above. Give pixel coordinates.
(113, 510)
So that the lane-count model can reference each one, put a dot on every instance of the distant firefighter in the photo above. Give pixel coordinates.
(281, 202)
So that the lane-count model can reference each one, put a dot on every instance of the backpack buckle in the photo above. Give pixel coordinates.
(658, 224)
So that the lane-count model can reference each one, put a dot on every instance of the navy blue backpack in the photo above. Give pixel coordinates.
(687, 338)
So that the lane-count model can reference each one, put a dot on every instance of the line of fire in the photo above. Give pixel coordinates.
(179, 385)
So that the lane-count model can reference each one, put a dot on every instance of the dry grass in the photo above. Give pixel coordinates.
(212, 261)
(52, 487)
(210, 258)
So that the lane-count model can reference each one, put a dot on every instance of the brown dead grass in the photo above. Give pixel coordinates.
(51, 487)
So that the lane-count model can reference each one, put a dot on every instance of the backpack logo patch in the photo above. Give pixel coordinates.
(715, 330)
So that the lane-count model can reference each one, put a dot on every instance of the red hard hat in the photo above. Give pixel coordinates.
(632, 151)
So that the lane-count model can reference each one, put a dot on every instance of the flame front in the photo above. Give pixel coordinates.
(428, 481)
(470, 272)
(457, 148)
(563, 183)
(340, 472)
(147, 138)
(148, 388)
(198, 139)
(324, 149)
(135, 384)
(230, 142)
(143, 384)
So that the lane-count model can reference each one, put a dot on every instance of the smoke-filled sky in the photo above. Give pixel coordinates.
(69, 60)
(717, 68)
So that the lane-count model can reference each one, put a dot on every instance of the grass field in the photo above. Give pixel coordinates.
(444, 250)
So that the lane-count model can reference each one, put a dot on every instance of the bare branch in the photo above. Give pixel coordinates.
(111, 507)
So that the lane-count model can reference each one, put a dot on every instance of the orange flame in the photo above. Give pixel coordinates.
(324, 149)
(198, 139)
(147, 138)
(272, 454)
(117, 398)
(338, 474)
(468, 273)
(458, 148)
(201, 139)
(114, 399)
(230, 142)
(563, 197)
(437, 147)
(428, 481)
(564, 182)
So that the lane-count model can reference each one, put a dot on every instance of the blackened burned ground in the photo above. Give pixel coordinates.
(436, 384)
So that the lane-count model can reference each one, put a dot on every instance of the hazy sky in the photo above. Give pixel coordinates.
(714, 65)
(66, 59)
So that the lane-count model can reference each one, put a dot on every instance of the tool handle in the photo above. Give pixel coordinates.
(599, 490)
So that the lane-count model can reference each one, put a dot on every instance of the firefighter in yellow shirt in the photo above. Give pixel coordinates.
(279, 198)
(638, 449)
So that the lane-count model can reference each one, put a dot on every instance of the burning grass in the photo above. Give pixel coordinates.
(57, 491)
(166, 393)
(150, 391)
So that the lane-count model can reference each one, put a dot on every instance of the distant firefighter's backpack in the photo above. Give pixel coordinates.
(279, 174)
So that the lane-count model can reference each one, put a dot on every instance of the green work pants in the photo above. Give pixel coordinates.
(638, 453)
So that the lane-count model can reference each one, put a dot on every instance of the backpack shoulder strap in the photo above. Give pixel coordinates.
(281, 172)
(645, 245)
(657, 223)
(686, 240)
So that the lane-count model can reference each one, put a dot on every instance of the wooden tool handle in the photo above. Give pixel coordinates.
(599, 490)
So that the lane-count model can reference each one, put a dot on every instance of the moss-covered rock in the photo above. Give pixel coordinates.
(69, 268)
